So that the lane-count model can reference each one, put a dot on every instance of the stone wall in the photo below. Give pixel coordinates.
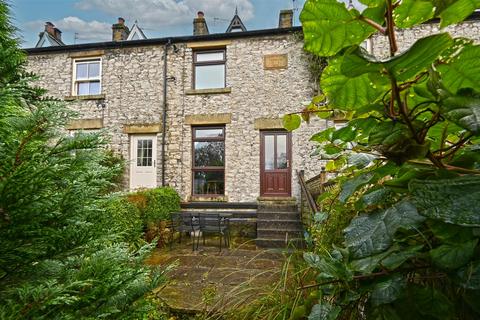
(131, 85)
(133, 88)
(406, 37)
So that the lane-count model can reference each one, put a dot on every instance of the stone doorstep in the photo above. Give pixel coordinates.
(266, 215)
(279, 243)
(279, 234)
(279, 224)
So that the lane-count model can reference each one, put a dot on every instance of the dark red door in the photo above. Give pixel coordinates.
(275, 159)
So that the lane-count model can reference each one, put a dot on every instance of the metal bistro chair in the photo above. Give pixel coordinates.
(215, 224)
(184, 223)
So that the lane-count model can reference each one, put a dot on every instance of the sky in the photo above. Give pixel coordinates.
(83, 21)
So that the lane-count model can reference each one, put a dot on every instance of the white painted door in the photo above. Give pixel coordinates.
(143, 161)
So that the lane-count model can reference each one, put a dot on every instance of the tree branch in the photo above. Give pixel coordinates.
(374, 24)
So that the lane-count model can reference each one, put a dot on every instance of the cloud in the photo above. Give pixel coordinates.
(158, 13)
(86, 30)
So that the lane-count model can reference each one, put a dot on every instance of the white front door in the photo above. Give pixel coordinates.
(143, 166)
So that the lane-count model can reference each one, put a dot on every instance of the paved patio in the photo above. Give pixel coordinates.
(208, 280)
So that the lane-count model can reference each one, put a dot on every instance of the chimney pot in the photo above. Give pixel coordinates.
(119, 30)
(285, 19)
(200, 25)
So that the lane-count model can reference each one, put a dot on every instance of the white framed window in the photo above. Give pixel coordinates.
(87, 76)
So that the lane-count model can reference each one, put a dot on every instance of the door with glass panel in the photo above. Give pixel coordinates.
(275, 159)
(208, 161)
(143, 171)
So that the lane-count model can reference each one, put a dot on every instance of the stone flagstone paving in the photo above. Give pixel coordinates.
(208, 279)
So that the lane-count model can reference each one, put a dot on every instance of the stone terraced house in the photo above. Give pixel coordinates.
(202, 113)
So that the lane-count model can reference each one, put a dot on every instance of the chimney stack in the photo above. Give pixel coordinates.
(200, 25)
(54, 32)
(286, 19)
(120, 30)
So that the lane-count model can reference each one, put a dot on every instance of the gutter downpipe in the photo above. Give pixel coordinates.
(164, 117)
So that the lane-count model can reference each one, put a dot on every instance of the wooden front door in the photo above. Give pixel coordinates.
(275, 160)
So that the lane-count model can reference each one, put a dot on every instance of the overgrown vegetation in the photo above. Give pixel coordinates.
(409, 162)
(66, 252)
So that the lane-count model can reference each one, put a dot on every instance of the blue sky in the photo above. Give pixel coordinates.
(92, 19)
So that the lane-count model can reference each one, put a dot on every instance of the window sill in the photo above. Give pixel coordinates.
(208, 91)
(86, 97)
(206, 198)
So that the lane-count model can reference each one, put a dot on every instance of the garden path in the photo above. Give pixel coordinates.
(209, 280)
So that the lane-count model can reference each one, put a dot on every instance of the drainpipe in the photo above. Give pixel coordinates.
(164, 117)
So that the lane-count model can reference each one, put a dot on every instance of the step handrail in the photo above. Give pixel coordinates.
(310, 201)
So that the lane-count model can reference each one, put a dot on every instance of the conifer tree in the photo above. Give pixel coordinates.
(60, 256)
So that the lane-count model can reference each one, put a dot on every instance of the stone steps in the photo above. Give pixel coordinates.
(279, 225)
(280, 243)
(279, 234)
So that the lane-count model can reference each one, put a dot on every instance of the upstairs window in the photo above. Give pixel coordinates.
(209, 69)
(87, 77)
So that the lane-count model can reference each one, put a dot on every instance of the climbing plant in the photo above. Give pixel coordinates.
(412, 165)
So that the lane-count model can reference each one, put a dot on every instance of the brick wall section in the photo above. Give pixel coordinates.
(132, 84)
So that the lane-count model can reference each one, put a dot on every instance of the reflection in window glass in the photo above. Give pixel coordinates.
(208, 182)
(212, 76)
(269, 152)
(209, 153)
(209, 133)
(82, 71)
(209, 56)
(281, 151)
(93, 69)
(208, 160)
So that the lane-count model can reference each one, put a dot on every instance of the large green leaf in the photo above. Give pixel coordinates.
(324, 311)
(387, 290)
(404, 66)
(450, 200)
(453, 255)
(373, 233)
(352, 185)
(463, 111)
(291, 121)
(463, 71)
(412, 12)
(348, 93)
(396, 259)
(469, 276)
(430, 302)
(419, 57)
(454, 11)
(329, 27)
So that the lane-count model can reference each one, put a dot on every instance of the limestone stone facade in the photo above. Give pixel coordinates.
(132, 96)
(267, 76)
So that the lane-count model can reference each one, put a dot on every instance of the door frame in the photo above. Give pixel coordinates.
(263, 133)
(133, 156)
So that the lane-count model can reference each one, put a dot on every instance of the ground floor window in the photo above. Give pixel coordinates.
(208, 160)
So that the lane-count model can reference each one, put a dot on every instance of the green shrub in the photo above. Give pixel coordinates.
(156, 204)
(123, 218)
